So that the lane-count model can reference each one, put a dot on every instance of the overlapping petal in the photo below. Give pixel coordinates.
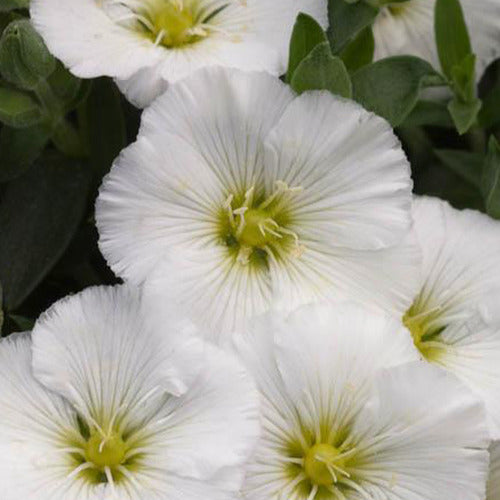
(348, 377)
(185, 413)
(456, 298)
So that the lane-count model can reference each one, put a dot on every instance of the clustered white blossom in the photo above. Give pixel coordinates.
(294, 323)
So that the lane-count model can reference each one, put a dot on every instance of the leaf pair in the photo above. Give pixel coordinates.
(457, 62)
(312, 66)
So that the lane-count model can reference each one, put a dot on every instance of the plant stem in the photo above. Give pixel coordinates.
(64, 135)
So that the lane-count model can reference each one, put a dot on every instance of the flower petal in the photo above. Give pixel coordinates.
(333, 367)
(355, 178)
(460, 248)
(161, 193)
(471, 351)
(88, 42)
(420, 411)
(97, 350)
(210, 430)
(384, 278)
(34, 427)
(210, 286)
(233, 113)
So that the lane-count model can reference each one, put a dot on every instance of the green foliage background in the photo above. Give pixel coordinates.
(59, 136)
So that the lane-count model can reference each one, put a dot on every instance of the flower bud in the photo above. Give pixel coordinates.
(24, 58)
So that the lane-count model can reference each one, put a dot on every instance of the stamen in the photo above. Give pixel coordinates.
(314, 490)
(110, 479)
(338, 494)
(244, 255)
(80, 468)
(160, 37)
(241, 212)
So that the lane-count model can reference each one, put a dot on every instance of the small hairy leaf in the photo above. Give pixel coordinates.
(452, 37)
(320, 70)
(307, 33)
(18, 109)
(390, 87)
(347, 20)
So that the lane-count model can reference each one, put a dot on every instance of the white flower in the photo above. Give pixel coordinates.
(247, 193)
(493, 488)
(349, 414)
(108, 408)
(454, 318)
(408, 28)
(146, 44)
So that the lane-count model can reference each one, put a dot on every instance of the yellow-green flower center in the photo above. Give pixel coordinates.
(425, 328)
(174, 23)
(169, 23)
(105, 452)
(323, 463)
(255, 227)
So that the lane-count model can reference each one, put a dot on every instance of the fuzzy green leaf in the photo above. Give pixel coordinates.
(347, 20)
(433, 113)
(390, 87)
(39, 213)
(19, 148)
(18, 109)
(452, 36)
(360, 51)
(491, 179)
(464, 114)
(307, 33)
(320, 70)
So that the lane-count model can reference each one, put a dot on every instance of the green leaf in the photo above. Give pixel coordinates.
(432, 113)
(463, 79)
(307, 33)
(360, 51)
(19, 148)
(491, 179)
(39, 214)
(322, 71)
(452, 37)
(390, 87)
(18, 109)
(467, 165)
(464, 114)
(347, 20)
(6, 5)
(65, 86)
(106, 126)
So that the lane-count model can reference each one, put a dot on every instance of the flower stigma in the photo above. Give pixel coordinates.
(323, 463)
(256, 227)
(106, 451)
